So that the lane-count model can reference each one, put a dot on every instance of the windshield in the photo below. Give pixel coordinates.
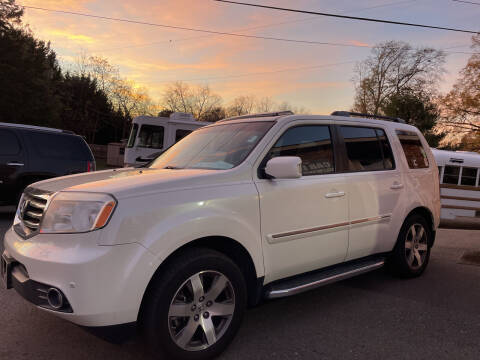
(218, 147)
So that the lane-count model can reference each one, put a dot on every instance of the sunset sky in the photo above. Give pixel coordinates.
(153, 56)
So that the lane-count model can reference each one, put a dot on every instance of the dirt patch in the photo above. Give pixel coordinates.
(470, 258)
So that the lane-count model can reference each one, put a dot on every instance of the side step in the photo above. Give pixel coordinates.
(312, 280)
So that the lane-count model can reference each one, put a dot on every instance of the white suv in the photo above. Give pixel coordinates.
(248, 208)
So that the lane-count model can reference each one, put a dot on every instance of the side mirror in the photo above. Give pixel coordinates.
(284, 167)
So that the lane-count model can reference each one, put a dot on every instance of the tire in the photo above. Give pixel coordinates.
(177, 318)
(411, 254)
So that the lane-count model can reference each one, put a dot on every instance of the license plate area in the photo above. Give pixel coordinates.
(6, 271)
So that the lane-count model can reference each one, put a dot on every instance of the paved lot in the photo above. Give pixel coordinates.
(370, 317)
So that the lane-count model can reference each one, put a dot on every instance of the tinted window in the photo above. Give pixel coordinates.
(364, 149)
(469, 176)
(451, 174)
(133, 135)
(312, 144)
(413, 149)
(59, 146)
(180, 134)
(9, 144)
(151, 136)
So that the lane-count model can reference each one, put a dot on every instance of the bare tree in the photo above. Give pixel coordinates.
(241, 105)
(265, 104)
(197, 100)
(392, 68)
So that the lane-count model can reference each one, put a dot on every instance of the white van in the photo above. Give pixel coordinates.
(459, 186)
(150, 135)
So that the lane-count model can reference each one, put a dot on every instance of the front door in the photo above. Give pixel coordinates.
(12, 162)
(304, 221)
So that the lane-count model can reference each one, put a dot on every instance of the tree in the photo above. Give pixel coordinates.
(87, 110)
(392, 68)
(416, 109)
(10, 15)
(241, 105)
(461, 106)
(197, 100)
(30, 74)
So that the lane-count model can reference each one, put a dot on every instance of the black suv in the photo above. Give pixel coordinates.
(31, 153)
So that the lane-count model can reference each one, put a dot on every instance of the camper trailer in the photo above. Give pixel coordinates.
(459, 186)
(151, 135)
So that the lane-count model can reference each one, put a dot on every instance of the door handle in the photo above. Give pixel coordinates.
(396, 186)
(335, 194)
(14, 163)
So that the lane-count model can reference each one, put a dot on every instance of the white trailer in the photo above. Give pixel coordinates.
(459, 186)
(150, 135)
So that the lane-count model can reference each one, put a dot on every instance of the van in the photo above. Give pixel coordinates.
(151, 135)
(459, 187)
(31, 153)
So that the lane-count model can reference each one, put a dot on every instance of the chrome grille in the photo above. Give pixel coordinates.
(31, 210)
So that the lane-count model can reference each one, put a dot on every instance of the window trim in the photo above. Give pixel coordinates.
(261, 166)
(344, 153)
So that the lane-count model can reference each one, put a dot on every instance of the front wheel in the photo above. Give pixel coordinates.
(412, 252)
(195, 308)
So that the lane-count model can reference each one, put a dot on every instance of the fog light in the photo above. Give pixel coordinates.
(55, 298)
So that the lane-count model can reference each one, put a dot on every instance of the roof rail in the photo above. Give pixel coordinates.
(267, 114)
(368, 116)
(33, 127)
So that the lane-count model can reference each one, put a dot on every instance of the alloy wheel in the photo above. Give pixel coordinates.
(201, 310)
(416, 246)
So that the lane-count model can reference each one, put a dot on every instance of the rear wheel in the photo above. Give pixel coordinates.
(195, 308)
(412, 251)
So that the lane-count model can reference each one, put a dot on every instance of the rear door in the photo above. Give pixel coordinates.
(12, 163)
(375, 188)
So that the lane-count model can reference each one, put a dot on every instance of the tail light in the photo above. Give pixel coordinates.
(90, 166)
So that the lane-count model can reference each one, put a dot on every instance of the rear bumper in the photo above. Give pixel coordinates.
(103, 285)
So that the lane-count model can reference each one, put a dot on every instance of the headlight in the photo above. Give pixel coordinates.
(74, 212)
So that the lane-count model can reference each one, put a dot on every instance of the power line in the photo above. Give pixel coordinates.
(257, 27)
(310, 42)
(467, 2)
(349, 17)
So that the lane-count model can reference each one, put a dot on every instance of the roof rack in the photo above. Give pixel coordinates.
(368, 116)
(33, 127)
(259, 115)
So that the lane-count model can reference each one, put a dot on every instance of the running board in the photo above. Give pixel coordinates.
(310, 281)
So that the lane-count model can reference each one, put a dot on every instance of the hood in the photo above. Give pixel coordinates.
(129, 181)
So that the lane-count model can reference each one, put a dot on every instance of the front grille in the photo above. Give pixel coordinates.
(31, 210)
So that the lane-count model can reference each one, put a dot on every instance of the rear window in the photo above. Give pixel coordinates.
(413, 149)
(9, 144)
(59, 146)
(451, 174)
(368, 149)
(469, 176)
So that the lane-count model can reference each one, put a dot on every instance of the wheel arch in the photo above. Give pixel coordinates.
(228, 247)
(427, 215)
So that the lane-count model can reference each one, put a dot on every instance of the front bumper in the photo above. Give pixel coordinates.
(103, 285)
